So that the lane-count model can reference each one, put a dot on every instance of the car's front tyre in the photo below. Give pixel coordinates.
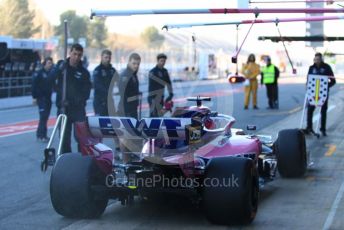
(290, 148)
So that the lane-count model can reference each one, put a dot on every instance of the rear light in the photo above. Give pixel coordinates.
(236, 79)
(209, 124)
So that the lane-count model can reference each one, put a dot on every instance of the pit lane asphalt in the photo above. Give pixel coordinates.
(312, 202)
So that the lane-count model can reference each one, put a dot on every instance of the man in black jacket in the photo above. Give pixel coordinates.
(130, 97)
(319, 68)
(42, 87)
(104, 77)
(78, 87)
(158, 79)
(129, 88)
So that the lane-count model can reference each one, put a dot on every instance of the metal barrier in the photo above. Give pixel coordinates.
(15, 86)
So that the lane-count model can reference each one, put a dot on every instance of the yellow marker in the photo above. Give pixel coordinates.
(132, 187)
(331, 150)
(317, 86)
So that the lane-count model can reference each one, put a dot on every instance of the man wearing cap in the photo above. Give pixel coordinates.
(158, 79)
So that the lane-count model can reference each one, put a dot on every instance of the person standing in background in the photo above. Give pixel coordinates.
(78, 88)
(129, 88)
(103, 75)
(270, 74)
(42, 88)
(319, 68)
(251, 70)
(158, 80)
(129, 102)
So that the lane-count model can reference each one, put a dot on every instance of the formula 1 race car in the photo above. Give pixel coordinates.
(195, 153)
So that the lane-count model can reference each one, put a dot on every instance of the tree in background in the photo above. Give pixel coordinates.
(94, 31)
(40, 20)
(152, 37)
(17, 19)
(97, 33)
(123, 41)
(77, 26)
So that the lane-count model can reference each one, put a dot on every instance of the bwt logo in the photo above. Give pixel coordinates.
(147, 127)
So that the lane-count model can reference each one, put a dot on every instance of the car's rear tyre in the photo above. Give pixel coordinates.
(71, 184)
(290, 148)
(235, 202)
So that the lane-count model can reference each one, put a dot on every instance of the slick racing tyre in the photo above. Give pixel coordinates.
(71, 184)
(290, 148)
(231, 193)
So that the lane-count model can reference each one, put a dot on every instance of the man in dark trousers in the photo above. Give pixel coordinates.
(104, 77)
(42, 87)
(129, 102)
(129, 88)
(78, 87)
(319, 68)
(158, 80)
(270, 74)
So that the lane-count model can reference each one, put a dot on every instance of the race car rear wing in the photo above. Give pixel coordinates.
(130, 128)
(173, 128)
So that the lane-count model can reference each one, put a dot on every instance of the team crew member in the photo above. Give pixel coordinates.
(129, 88)
(129, 102)
(42, 87)
(158, 80)
(104, 75)
(270, 74)
(251, 71)
(78, 87)
(319, 68)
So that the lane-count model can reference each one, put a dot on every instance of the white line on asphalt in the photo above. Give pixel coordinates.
(334, 208)
(11, 110)
(28, 131)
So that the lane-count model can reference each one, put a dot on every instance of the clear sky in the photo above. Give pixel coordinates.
(53, 9)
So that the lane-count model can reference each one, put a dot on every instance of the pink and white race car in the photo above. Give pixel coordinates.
(195, 152)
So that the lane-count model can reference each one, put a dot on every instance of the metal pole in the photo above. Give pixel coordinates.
(256, 21)
(319, 120)
(285, 49)
(236, 49)
(64, 82)
(303, 111)
(106, 13)
(297, 1)
(61, 120)
(235, 57)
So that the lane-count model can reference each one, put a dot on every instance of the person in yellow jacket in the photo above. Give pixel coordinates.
(251, 70)
(270, 74)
